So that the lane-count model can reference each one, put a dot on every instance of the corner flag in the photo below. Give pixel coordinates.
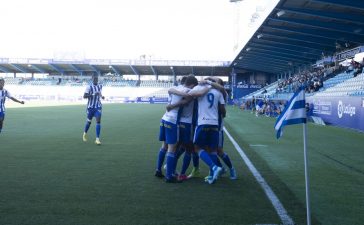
(294, 113)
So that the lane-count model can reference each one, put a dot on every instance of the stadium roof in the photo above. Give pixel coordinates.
(299, 32)
(120, 67)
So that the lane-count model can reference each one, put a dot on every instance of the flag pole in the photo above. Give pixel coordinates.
(307, 178)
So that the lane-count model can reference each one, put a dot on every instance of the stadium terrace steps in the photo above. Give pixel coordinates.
(161, 93)
(154, 83)
(12, 80)
(343, 85)
(271, 89)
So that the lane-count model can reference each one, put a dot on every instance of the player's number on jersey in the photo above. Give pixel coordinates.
(210, 99)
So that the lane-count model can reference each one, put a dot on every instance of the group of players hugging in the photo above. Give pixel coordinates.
(193, 125)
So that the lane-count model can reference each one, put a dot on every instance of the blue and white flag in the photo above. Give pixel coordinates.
(294, 113)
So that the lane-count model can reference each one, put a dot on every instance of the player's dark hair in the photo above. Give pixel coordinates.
(210, 79)
(2, 79)
(183, 80)
(191, 80)
(219, 81)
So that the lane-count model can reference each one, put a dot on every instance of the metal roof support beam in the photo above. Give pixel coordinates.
(174, 75)
(317, 33)
(296, 45)
(153, 70)
(56, 68)
(284, 54)
(263, 63)
(343, 3)
(283, 58)
(115, 70)
(94, 68)
(266, 46)
(297, 32)
(268, 59)
(19, 68)
(258, 68)
(37, 68)
(75, 68)
(351, 18)
(5, 69)
(134, 70)
(301, 38)
(336, 27)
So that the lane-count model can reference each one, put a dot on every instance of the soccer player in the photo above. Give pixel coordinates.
(186, 128)
(168, 133)
(220, 149)
(3, 95)
(94, 108)
(207, 131)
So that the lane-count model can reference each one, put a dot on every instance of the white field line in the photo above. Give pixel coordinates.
(257, 145)
(281, 211)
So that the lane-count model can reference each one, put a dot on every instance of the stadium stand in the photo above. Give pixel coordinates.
(344, 85)
(156, 83)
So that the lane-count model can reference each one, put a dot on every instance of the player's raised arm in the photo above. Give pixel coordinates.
(216, 85)
(174, 91)
(182, 102)
(199, 91)
(16, 100)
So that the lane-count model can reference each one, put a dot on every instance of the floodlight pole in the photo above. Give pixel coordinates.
(307, 178)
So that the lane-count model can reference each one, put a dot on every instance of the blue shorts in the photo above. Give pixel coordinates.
(92, 112)
(206, 135)
(2, 115)
(185, 133)
(168, 132)
(221, 139)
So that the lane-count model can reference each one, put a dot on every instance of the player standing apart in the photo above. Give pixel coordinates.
(3, 95)
(94, 108)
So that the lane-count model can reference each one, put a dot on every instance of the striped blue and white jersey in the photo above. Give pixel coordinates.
(94, 101)
(3, 95)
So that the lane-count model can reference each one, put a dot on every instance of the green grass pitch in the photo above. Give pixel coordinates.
(49, 176)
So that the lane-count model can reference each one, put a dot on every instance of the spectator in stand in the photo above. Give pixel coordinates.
(358, 68)
(253, 104)
(259, 107)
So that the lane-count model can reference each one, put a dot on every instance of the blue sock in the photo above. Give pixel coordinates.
(180, 151)
(206, 158)
(171, 162)
(98, 130)
(215, 159)
(87, 126)
(226, 160)
(186, 162)
(195, 160)
(161, 155)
